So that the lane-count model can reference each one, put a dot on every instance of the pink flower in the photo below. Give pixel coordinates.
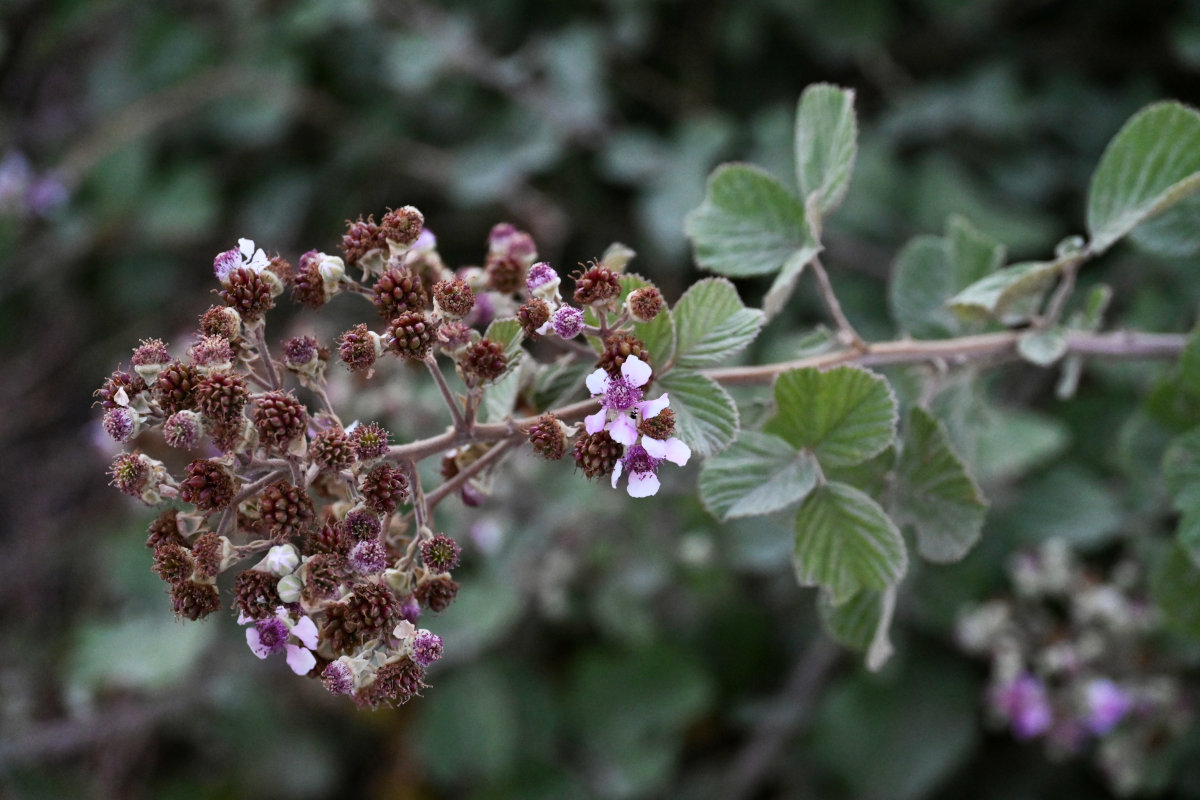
(267, 636)
(619, 397)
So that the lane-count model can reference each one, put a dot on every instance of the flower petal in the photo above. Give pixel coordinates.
(597, 382)
(306, 631)
(636, 371)
(643, 484)
(255, 643)
(649, 409)
(616, 473)
(300, 659)
(622, 430)
(676, 451)
(246, 247)
(594, 423)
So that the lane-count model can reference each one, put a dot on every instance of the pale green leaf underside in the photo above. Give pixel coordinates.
(1042, 347)
(844, 415)
(1007, 294)
(862, 622)
(826, 143)
(705, 414)
(711, 324)
(757, 474)
(935, 494)
(748, 224)
(1152, 164)
(845, 543)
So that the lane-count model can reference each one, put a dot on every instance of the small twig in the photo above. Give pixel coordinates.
(846, 331)
(264, 355)
(470, 471)
(460, 423)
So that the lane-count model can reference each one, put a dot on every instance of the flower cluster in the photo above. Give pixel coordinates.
(1073, 664)
(324, 525)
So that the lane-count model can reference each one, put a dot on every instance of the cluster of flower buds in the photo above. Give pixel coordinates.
(1073, 663)
(323, 527)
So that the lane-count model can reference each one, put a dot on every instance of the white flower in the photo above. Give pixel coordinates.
(267, 636)
(620, 396)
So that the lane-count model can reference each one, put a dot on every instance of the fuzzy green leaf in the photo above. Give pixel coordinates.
(712, 324)
(1150, 166)
(935, 494)
(826, 143)
(929, 270)
(844, 415)
(748, 224)
(705, 414)
(1043, 347)
(1010, 294)
(845, 543)
(862, 622)
(757, 474)
(508, 333)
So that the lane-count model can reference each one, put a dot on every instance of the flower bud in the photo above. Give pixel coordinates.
(282, 559)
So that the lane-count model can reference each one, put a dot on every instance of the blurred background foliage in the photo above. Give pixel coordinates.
(600, 647)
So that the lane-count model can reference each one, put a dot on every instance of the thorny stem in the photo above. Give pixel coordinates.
(319, 390)
(471, 470)
(846, 332)
(460, 423)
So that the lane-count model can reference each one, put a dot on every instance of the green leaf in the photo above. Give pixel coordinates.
(1010, 295)
(757, 474)
(508, 333)
(748, 224)
(1173, 586)
(935, 494)
(1043, 347)
(862, 622)
(560, 381)
(711, 324)
(929, 270)
(1181, 470)
(1151, 165)
(845, 415)
(826, 143)
(658, 335)
(782, 287)
(705, 414)
(845, 543)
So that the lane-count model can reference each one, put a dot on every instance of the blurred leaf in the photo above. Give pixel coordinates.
(826, 142)
(845, 415)
(1151, 165)
(1010, 294)
(705, 414)
(749, 224)
(1042, 347)
(934, 493)
(930, 270)
(899, 735)
(862, 622)
(629, 711)
(468, 725)
(1173, 586)
(757, 474)
(484, 611)
(712, 324)
(1013, 441)
(184, 208)
(135, 654)
(1068, 502)
(846, 543)
(1181, 470)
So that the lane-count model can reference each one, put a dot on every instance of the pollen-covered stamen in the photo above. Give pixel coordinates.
(272, 636)
(621, 395)
(638, 462)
